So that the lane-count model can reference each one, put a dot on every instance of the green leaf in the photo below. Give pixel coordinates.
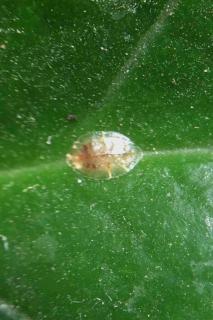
(135, 247)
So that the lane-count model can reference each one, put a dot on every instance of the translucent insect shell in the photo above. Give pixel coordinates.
(104, 155)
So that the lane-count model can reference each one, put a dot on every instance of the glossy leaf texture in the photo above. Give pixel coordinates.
(135, 247)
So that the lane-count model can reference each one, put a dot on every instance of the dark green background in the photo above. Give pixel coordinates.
(136, 247)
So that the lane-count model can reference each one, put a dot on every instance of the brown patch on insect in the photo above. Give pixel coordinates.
(104, 155)
(88, 159)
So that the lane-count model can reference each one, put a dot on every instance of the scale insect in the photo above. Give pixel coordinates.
(104, 155)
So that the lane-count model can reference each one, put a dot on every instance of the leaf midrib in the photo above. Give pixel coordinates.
(147, 155)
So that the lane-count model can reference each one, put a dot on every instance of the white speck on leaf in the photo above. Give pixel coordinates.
(31, 188)
(209, 223)
(49, 140)
(5, 242)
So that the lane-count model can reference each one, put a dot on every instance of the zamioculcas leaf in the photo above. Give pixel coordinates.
(97, 81)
